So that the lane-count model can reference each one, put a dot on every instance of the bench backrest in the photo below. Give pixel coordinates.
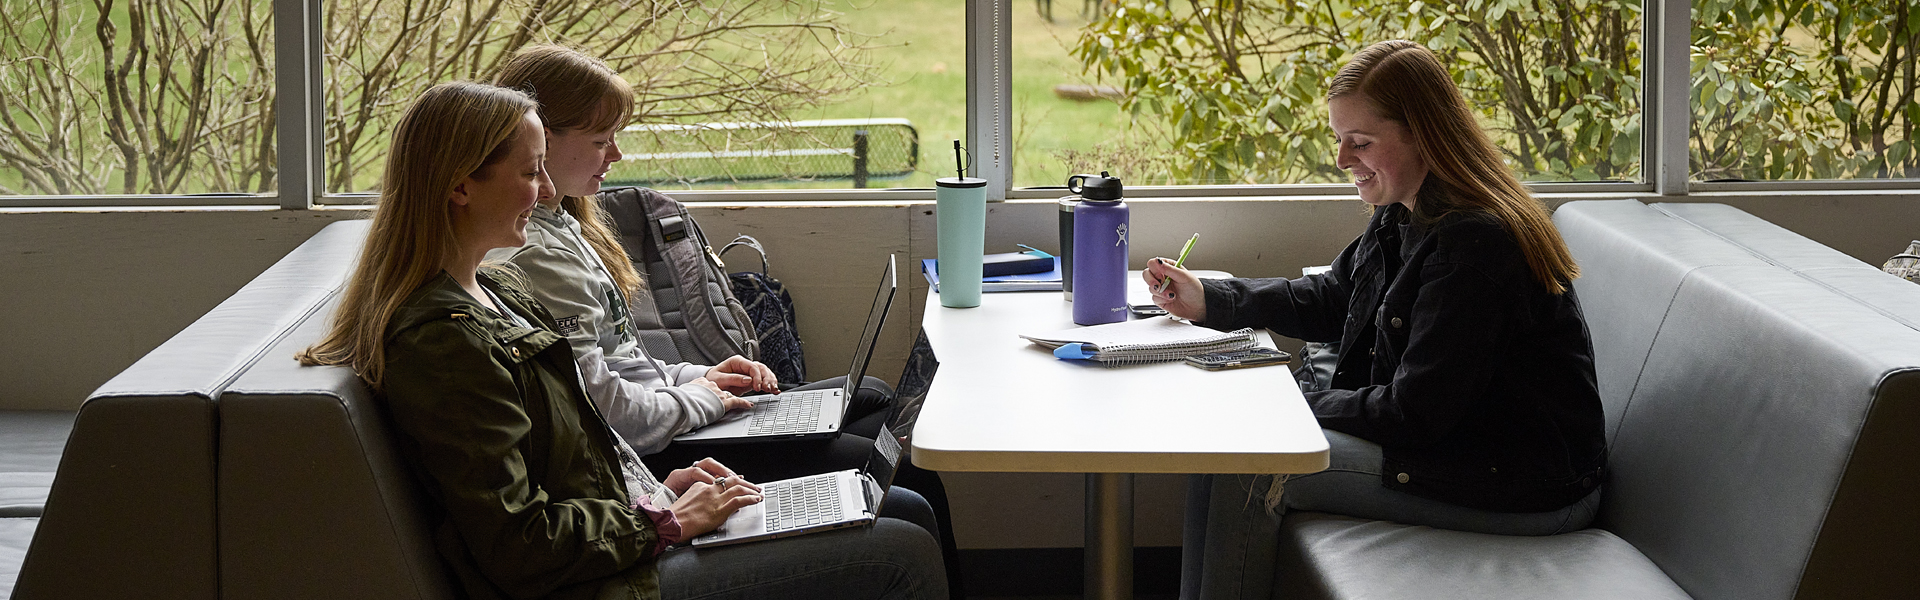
(216, 467)
(1756, 416)
(315, 500)
(1863, 283)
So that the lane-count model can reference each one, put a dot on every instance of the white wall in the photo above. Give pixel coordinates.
(85, 294)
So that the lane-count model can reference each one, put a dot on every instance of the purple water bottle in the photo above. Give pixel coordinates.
(1100, 244)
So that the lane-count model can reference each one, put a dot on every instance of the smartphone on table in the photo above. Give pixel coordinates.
(1239, 359)
(1146, 311)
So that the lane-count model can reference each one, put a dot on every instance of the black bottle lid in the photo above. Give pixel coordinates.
(1095, 187)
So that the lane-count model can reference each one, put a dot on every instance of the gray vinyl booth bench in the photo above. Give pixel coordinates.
(1760, 393)
(1763, 412)
(217, 467)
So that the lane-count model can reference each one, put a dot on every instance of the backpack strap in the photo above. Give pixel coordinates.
(629, 215)
(690, 313)
(749, 242)
(715, 324)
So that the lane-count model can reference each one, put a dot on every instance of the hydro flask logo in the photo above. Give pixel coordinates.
(1122, 230)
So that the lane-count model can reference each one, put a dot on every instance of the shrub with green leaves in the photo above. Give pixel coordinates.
(1781, 89)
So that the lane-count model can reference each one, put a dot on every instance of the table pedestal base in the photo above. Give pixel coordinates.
(1109, 545)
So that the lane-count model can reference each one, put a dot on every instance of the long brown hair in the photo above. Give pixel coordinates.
(577, 91)
(1405, 82)
(452, 131)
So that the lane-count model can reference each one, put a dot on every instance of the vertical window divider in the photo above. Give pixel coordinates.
(1667, 110)
(299, 106)
(990, 94)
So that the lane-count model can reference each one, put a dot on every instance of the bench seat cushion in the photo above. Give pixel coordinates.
(30, 444)
(15, 535)
(1332, 556)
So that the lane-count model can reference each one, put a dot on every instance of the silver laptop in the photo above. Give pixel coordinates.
(809, 414)
(815, 503)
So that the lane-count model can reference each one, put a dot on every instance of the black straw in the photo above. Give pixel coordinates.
(958, 165)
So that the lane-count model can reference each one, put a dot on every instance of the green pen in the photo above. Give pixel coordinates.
(1167, 281)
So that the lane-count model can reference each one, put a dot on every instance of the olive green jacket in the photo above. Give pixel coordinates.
(520, 465)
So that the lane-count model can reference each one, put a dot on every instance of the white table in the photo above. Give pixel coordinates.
(1001, 404)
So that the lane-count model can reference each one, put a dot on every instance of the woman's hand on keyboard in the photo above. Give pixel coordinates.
(708, 471)
(727, 400)
(739, 375)
(705, 506)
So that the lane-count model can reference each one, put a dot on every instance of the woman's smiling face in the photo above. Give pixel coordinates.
(1377, 151)
(578, 160)
(492, 205)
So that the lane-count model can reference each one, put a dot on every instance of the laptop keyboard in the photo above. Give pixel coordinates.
(794, 412)
(796, 503)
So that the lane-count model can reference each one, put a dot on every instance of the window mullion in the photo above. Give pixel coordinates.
(990, 94)
(1669, 112)
(298, 102)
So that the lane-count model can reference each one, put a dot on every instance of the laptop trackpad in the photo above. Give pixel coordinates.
(749, 521)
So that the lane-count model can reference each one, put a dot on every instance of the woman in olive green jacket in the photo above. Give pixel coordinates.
(536, 496)
(528, 482)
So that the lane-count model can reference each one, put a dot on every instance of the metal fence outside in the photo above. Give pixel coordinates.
(861, 150)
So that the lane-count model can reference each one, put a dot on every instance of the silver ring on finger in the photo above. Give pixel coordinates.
(721, 482)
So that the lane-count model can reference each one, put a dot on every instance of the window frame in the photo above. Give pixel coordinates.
(299, 81)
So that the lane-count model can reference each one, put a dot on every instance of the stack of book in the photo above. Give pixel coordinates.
(1010, 272)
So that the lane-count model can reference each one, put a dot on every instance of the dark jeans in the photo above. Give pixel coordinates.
(889, 559)
(1231, 539)
(871, 407)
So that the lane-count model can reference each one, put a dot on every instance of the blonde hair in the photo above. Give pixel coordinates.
(1405, 82)
(453, 131)
(577, 91)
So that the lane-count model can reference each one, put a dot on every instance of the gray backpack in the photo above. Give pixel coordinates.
(689, 313)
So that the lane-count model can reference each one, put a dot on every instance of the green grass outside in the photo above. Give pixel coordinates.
(924, 58)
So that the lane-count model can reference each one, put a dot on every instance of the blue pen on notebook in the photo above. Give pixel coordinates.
(1165, 282)
(1076, 351)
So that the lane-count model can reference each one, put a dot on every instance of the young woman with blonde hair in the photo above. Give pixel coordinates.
(1463, 396)
(537, 497)
(578, 269)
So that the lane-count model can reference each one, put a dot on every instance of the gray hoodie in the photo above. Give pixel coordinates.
(646, 401)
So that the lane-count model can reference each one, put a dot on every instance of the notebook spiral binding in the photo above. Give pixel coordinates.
(1132, 354)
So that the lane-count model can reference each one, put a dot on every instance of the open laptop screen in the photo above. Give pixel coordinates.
(876, 316)
(882, 462)
(885, 458)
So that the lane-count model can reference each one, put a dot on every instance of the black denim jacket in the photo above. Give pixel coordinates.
(1476, 381)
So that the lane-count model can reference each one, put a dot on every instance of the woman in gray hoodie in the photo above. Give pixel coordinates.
(580, 272)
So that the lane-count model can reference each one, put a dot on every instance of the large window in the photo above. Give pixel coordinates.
(1218, 92)
(732, 93)
(136, 97)
(1804, 90)
(1066, 121)
(148, 101)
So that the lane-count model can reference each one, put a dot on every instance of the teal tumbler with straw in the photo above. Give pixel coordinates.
(960, 212)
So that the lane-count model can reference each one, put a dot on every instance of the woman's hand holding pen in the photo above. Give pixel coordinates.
(709, 493)
(1181, 296)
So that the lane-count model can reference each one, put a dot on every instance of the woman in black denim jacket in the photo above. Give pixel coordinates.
(1464, 395)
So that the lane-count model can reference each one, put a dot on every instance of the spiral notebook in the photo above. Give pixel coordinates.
(1158, 339)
